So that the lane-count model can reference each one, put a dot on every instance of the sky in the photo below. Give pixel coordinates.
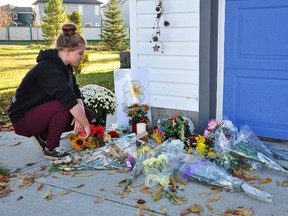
(27, 3)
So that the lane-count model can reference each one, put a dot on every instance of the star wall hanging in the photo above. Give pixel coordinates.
(159, 45)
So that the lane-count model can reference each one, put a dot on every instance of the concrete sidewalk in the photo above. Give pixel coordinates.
(84, 192)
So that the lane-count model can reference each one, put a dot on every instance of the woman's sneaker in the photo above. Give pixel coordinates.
(58, 152)
(39, 142)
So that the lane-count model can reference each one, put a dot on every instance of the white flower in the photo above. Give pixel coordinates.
(99, 99)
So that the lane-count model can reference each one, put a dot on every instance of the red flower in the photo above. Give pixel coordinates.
(114, 134)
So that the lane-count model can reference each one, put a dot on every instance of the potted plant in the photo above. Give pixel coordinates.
(99, 99)
(138, 114)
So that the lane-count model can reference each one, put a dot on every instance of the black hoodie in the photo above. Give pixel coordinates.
(49, 80)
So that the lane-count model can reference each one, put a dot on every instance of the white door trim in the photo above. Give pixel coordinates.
(220, 60)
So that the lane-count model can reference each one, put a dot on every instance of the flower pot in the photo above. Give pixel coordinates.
(100, 120)
(134, 128)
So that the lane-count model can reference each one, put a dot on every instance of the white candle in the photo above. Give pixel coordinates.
(141, 128)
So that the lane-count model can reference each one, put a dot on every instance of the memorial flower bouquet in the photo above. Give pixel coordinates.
(176, 127)
(208, 172)
(95, 140)
(138, 113)
(99, 99)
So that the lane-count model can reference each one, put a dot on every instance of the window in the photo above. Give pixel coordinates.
(81, 9)
(15, 16)
(96, 10)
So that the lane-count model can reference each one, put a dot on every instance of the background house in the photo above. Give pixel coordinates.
(89, 10)
(21, 16)
(221, 58)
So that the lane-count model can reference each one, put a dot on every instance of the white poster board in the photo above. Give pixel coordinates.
(131, 86)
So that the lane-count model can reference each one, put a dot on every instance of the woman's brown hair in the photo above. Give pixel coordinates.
(69, 38)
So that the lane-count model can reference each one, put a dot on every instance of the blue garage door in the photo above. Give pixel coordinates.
(256, 66)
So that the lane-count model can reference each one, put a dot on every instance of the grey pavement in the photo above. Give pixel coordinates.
(20, 154)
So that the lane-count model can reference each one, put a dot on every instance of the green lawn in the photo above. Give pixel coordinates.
(15, 62)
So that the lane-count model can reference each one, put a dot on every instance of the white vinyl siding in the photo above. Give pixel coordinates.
(174, 74)
(81, 9)
(97, 10)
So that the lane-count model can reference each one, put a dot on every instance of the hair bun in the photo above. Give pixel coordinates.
(69, 29)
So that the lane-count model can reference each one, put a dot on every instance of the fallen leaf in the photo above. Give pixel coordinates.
(65, 172)
(209, 207)
(215, 190)
(102, 189)
(285, 183)
(117, 171)
(120, 182)
(218, 213)
(125, 194)
(82, 175)
(5, 193)
(196, 208)
(265, 181)
(40, 187)
(30, 164)
(202, 195)
(215, 199)
(131, 189)
(62, 193)
(159, 190)
(163, 210)
(138, 185)
(101, 199)
(156, 197)
(42, 168)
(181, 181)
(255, 177)
(278, 183)
(145, 190)
(247, 212)
(48, 194)
(25, 183)
(117, 192)
(238, 174)
(173, 182)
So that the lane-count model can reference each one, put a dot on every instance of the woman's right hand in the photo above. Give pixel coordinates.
(87, 131)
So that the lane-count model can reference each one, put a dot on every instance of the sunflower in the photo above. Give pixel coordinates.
(78, 143)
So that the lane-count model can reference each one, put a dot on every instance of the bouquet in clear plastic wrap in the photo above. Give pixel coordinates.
(164, 163)
(110, 156)
(143, 152)
(208, 172)
(236, 150)
(268, 150)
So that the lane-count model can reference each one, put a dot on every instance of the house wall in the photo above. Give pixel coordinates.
(174, 74)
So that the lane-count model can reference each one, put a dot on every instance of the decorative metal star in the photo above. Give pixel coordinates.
(156, 48)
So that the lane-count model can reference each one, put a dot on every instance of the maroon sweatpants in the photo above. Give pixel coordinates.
(50, 119)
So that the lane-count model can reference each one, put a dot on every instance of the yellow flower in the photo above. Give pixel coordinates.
(212, 154)
(201, 148)
(78, 143)
(190, 150)
(200, 139)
